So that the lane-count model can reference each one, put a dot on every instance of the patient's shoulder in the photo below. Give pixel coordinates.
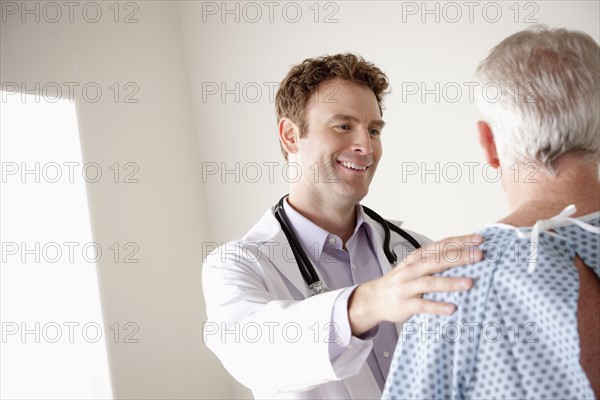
(496, 247)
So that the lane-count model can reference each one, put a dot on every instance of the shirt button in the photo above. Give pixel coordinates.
(353, 266)
(331, 240)
(386, 354)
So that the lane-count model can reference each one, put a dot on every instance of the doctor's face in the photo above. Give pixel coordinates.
(341, 150)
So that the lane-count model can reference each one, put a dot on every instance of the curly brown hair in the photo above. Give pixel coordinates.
(304, 79)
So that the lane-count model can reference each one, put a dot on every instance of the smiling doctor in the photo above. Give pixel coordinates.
(308, 304)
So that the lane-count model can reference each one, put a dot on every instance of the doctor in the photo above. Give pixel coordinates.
(268, 328)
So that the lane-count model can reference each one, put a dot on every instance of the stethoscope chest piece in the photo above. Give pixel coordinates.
(318, 287)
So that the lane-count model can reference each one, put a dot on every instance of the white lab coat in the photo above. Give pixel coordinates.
(267, 329)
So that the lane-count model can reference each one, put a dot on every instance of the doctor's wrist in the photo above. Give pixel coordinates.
(361, 313)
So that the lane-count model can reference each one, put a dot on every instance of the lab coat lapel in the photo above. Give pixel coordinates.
(283, 259)
(277, 249)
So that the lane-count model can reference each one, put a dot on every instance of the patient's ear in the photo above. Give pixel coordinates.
(486, 140)
(289, 135)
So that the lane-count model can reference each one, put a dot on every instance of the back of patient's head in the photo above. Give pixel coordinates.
(550, 96)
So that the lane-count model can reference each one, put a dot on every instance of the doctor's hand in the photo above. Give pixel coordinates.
(397, 295)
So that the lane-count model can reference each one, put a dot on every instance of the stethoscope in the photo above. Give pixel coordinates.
(306, 268)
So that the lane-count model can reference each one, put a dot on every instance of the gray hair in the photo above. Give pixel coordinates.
(548, 83)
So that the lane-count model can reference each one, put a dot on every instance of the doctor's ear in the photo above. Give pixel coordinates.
(487, 143)
(289, 134)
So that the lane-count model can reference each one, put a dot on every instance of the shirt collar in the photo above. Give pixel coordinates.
(311, 236)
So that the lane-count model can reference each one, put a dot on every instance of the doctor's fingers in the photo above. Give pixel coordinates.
(423, 306)
(439, 257)
(429, 284)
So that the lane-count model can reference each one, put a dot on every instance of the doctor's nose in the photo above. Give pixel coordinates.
(362, 142)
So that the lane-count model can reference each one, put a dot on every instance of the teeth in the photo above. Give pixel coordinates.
(352, 165)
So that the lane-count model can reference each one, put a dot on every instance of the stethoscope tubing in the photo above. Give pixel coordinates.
(304, 264)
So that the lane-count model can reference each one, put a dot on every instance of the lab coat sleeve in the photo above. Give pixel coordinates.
(267, 343)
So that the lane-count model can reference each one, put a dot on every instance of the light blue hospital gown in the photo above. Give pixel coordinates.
(514, 334)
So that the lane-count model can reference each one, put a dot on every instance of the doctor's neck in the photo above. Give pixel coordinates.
(336, 218)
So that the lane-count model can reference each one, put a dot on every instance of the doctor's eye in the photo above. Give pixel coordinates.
(375, 132)
(343, 127)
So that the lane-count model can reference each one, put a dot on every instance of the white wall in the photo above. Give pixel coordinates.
(163, 213)
(175, 53)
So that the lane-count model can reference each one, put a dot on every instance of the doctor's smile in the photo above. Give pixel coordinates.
(353, 166)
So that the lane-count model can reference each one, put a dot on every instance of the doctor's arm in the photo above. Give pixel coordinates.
(267, 340)
(397, 295)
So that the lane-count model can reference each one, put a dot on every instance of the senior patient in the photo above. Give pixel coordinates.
(530, 326)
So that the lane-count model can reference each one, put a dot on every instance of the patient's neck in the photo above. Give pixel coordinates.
(542, 195)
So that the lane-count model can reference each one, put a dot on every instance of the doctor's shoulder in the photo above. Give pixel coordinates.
(239, 251)
(255, 248)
